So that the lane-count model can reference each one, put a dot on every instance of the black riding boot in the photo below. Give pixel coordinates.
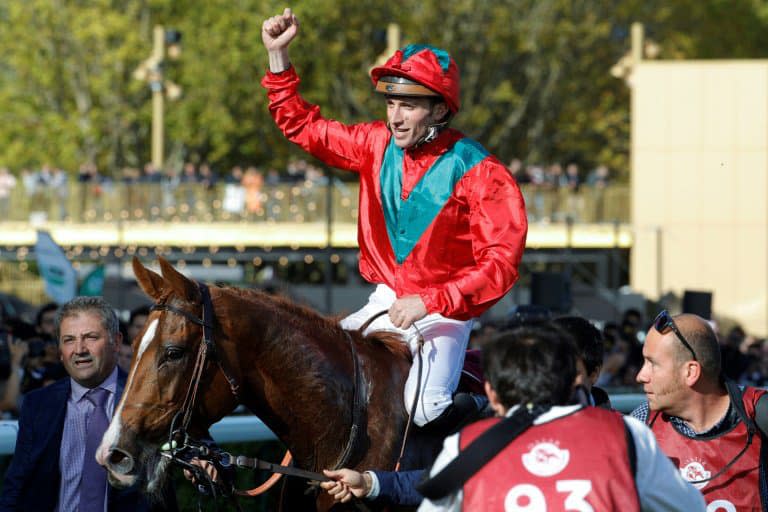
(465, 409)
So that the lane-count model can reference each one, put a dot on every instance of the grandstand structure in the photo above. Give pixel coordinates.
(699, 183)
(289, 239)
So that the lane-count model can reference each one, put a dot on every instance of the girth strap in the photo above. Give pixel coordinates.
(358, 408)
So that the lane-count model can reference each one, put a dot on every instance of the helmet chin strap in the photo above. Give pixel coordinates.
(431, 134)
(434, 129)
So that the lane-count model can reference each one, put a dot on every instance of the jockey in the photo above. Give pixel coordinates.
(442, 223)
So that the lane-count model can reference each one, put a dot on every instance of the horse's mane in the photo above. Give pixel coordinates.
(391, 341)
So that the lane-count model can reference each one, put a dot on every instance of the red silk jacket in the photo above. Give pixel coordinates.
(461, 262)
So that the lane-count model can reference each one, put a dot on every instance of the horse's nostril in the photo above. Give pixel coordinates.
(120, 462)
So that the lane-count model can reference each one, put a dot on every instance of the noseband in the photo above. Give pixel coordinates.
(206, 351)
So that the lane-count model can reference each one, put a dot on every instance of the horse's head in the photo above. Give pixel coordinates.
(159, 390)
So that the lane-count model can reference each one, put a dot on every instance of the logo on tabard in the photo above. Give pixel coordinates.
(545, 458)
(694, 470)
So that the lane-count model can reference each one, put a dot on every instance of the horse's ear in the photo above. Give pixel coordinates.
(151, 282)
(184, 287)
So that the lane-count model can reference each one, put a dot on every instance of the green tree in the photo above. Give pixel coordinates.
(535, 73)
(65, 90)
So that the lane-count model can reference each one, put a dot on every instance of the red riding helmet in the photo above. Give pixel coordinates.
(419, 70)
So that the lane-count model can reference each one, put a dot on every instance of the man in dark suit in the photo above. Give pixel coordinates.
(53, 467)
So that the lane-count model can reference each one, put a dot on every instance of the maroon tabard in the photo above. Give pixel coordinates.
(575, 462)
(699, 459)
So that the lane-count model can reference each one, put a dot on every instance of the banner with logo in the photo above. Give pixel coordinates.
(56, 270)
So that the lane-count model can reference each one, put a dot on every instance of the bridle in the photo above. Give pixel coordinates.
(206, 351)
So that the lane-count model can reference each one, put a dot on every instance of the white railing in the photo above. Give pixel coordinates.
(232, 429)
(247, 428)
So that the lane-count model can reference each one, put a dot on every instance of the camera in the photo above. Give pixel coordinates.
(36, 348)
(5, 355)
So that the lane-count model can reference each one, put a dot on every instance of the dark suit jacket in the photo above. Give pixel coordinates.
(33, 478)
(399, 488)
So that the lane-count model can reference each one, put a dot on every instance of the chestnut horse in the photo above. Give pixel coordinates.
(296, 370)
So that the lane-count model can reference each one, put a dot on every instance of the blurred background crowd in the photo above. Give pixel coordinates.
(554, 193)
(745, 357)
(29, 350)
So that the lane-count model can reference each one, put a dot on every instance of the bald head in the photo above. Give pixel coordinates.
(703, 340)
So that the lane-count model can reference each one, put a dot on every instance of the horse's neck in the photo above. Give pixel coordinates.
(297, 379)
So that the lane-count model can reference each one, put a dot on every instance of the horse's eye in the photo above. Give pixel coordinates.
(174, 353)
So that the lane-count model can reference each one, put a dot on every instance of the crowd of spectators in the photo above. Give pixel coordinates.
(554, 193)
(28, 357)
(191, 191)
(554, 177)
(198, 191)
(745, 357)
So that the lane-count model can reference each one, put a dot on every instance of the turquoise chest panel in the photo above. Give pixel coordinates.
(407, 220)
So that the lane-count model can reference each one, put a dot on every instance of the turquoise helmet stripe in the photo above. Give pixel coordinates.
(442, 56)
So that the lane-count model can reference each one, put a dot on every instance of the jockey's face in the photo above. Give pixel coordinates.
(410, 116)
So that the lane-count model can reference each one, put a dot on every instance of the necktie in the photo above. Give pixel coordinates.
(93, 482)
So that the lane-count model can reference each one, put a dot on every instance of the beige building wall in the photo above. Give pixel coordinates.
(699, 188)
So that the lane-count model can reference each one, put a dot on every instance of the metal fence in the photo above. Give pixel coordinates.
(236, 429)
(302, 201)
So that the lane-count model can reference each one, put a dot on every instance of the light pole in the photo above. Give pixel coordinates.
(156, 85)
(393, 44)
(151, 71)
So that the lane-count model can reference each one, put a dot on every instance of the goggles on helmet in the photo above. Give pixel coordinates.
(401, 86)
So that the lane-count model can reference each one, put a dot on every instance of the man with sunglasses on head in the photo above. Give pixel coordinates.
(712, 429)
(442, 222)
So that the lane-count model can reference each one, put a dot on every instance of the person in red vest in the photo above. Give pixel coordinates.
(551, 456)
(442, 222)
(712, 429)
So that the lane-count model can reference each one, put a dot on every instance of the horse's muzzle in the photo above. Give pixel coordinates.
(119, 461)
(119, 465)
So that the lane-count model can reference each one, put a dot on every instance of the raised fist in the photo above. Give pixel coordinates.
(278, 31)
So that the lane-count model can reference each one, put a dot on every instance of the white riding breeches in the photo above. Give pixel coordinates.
(445, 342)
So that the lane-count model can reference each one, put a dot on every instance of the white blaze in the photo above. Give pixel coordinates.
(113, 432)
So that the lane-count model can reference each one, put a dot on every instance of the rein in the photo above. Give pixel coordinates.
(412, 411)
(226, 460)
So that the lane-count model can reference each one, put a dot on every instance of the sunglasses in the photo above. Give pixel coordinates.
(664, 323)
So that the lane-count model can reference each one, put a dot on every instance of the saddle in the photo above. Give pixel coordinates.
(472, 377)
